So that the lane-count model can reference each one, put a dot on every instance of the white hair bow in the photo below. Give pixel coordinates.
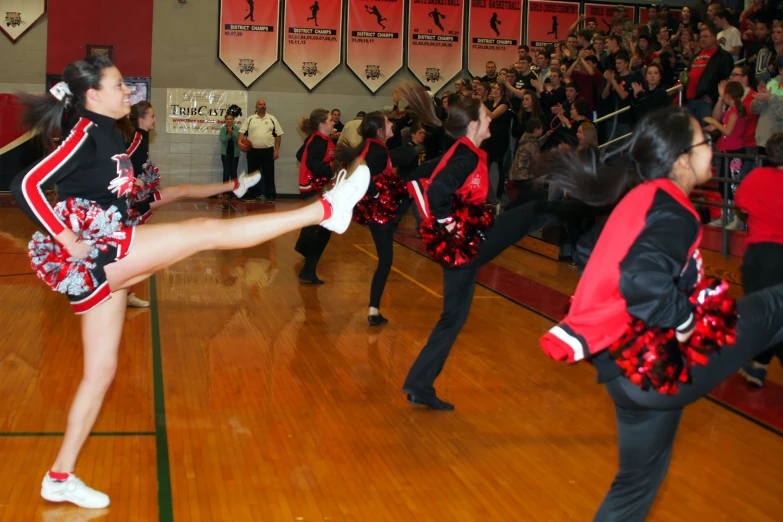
(60, 91)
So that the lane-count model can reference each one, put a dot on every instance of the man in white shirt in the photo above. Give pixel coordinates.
(729, 36)
(264, 132)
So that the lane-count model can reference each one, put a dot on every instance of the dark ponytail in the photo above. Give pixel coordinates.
(48, 116)
(461, 112)
(600, 179)
(139, 111)
(372, 123)
(310, 125)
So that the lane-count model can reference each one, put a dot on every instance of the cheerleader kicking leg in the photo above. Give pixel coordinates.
(647, 420)
(239, 186)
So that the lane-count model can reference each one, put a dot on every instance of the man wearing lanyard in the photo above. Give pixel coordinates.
(264, 133)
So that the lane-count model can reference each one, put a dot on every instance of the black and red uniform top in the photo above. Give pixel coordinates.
(644, 265)
(91, 163)
(139, 150)
(315, 158)
(462, 170)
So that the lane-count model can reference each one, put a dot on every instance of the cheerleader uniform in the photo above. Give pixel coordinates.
(461, 171)
(91, 164)
(138, 151)
(380, 160)
(315, 170)
(643, 266)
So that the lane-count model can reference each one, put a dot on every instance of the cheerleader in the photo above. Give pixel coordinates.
(92, 257)
(379, 208)
(315, 168)
(142, 118)
(458, 180)
(655, 343)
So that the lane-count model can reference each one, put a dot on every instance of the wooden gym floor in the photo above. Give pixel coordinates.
(244, 396)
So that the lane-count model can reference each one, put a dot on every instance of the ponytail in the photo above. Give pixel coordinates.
(600, 179)
(308, 125)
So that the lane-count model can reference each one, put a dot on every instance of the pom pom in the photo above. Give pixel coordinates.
(151, 178)
(381, 208)
(94, 226)
(317, 183)
(653, 358)
(461, 245)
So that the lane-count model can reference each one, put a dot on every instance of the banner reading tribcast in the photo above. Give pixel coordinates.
(434, 46)
(374, 42)
(248, 42)
(311, 48)
(201, 111)
(494, 29)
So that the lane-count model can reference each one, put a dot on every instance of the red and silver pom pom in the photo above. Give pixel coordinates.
(381, 208)
(151, 178)
(461, 245)
(653, 358)
(95, 227)
(318, 183)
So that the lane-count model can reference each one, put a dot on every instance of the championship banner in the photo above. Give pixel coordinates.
(605, 13)
(674, 14)
(548, 22)
(248, 43)
(434, 43)
(20, 15)
(311, 45)
(375, 40)
(201, 111)
(494, 28)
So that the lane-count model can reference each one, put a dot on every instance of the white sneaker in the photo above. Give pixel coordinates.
(73, 490)
(136, 302)
(736, 224)
(716, 223)
(347, 192)
(246, 181)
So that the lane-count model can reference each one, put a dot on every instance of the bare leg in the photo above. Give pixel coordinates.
(172, 194)
(158, 246)
(101, 333)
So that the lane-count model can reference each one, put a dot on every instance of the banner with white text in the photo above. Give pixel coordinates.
(548, 22)
(375, 40)
(248, 43)
(494, 29)
(201, 111)
(311, 44)
(434, 41)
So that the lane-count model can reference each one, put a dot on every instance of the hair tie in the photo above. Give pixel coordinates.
(60, 91)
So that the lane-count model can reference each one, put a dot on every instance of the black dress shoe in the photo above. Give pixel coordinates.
(375, 320)
(431, 402)
(312, 279)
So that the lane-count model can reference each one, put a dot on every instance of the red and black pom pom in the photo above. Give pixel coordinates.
(461, 245)
(653, 358)
(381, 207)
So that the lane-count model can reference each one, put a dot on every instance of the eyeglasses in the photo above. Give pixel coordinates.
(707, 141)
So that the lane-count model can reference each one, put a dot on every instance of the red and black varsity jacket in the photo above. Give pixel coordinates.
(91, 163)
(644, 265)
(462, 170)
(139, 150)
(315, 159)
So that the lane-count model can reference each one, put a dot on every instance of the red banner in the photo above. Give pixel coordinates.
(605, 13)
(435, 41)
(548, 22)
(494, 29)
(644, 14)
(375, 40)
(311, 48)
(248, 43)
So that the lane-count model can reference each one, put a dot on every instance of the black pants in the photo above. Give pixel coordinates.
(229, 167)
(647, 421)
(263, 160)
(458, 286)
(311, 244)
(383, 237)
(762, 267)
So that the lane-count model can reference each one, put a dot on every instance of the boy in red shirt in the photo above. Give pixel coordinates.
(758, 196)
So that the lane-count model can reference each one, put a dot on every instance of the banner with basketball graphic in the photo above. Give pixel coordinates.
(548, 22)
(435, 40)
(494, 29)
(605, 13)
(248, 42)
(20, 16)
(311, 44)
(374, 42)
